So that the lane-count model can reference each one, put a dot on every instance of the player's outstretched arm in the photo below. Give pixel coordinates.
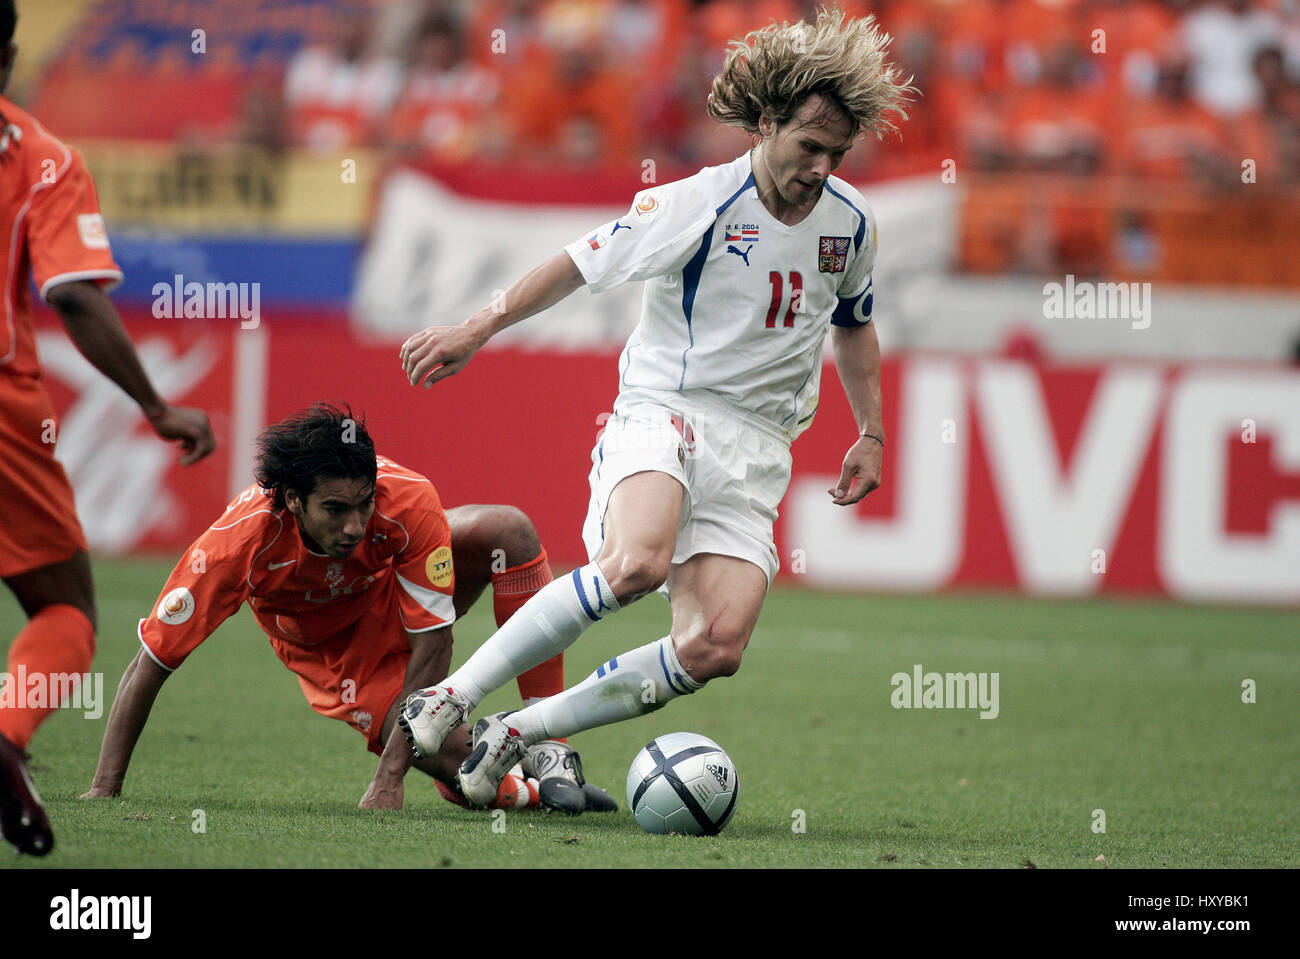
(135, 695)
(96, 330)
(438, 352)
(430, 662)
(857, 361)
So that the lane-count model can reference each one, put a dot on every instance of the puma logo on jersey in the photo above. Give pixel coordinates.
(743, 255)
(618, 226)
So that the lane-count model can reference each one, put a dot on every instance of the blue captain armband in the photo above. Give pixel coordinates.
(853, 311)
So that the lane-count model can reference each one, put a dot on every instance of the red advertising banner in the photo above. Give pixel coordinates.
(1182, 480)
(132, 493)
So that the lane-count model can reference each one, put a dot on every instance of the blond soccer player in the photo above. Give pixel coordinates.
(748, 266)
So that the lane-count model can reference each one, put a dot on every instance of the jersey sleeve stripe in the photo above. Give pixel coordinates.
(861, 233)
(139, 631)
(114, 276)
(248, 578)
(240, 520)
(404, 530)
(691, 274)
(431, 601)
(409, 479)
(425, 629)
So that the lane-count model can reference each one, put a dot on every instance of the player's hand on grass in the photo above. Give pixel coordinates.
(382, 794)
(187, 426)
(861, 472)
(102, 792)
(438, 352)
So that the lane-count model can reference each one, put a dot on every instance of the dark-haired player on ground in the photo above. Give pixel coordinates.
(748, 266)
(52, 231)
(355, 574)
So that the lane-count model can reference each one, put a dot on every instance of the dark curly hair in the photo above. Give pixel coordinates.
(324, 441)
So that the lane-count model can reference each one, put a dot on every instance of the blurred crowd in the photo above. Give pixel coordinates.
(1169, 89)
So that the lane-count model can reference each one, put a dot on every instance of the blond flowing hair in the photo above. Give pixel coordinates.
(777, 68)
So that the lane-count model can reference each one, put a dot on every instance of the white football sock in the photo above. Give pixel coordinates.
(545, 625)
(630, 684)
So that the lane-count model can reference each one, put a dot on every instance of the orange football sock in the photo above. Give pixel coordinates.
(510, 590)
(58, 640)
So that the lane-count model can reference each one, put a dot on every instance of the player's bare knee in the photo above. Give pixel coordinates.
(635, 572)
(706, 661)
(514, 534)
(711, 650)
(496, 536)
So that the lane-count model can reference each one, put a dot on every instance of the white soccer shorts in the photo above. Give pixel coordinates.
(735, 470)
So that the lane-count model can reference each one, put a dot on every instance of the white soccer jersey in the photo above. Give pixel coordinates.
(736, 302)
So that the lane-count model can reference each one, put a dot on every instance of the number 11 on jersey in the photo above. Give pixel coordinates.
(796, 296)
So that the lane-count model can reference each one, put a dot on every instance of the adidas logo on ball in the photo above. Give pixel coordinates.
(682, 783)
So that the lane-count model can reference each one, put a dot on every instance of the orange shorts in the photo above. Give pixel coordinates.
(38, 518)
(355, 675)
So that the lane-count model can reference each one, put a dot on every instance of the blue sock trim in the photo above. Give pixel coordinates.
(678, 686)
(582, 596)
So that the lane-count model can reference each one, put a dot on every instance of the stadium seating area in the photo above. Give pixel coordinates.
(1165, 89)
(1126, 123)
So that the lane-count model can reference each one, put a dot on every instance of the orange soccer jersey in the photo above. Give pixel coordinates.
(52, 230)
(339, 624)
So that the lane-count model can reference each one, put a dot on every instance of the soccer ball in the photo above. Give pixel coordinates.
(682, 783)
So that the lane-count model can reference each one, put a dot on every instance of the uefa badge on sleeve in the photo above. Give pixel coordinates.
(832, 253)
(176, 607)
(648, 206)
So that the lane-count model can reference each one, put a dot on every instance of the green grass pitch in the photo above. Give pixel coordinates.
(1131, 708)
